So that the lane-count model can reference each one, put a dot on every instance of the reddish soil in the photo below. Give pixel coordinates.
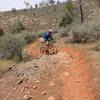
(73, 74)
(67, 79)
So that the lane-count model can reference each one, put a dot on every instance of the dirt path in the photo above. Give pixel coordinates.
(72, 74)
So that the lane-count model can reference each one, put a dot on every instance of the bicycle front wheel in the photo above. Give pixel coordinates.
(53, 50)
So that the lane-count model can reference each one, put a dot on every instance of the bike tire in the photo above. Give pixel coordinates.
(53, 50)
(42, 50)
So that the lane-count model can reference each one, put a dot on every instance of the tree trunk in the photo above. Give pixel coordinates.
(81, 11)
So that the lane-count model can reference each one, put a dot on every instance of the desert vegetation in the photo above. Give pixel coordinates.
(76, 34)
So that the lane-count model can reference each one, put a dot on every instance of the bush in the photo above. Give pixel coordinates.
(86, 32)
(69, 6)
(63, 32)
(39, 34)
(29, 37)
(17, 27)
(12, 46)
(66, 20)
(1, 32)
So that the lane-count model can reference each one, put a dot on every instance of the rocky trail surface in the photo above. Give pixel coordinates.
(63, 76)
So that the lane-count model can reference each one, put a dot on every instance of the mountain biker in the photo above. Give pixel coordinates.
(47, 36)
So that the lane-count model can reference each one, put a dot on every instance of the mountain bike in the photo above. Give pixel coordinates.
(48, 48)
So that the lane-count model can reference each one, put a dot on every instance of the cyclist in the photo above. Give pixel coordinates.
(46, 42)
(47, 36)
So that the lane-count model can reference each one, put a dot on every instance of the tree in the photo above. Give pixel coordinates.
(69, 6)
(58, 2)
(27, 4)
(66, 20)
(44, 4)
(14, 10)
(81, 10)
(51, 2)
(36, 5)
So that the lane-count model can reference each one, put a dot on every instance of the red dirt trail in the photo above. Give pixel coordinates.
(73, 74)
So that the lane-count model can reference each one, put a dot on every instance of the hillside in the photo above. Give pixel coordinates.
(67, 68)
(37, 19)
(44, 18)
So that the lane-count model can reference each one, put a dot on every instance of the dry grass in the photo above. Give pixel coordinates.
(4, 64)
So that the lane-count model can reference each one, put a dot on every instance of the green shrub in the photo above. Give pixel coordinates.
(69, 6)
(39, 34)
(66, 20)
(17, 27)
(63, 32)
(12, 46)
(29, 37)
(86, 32)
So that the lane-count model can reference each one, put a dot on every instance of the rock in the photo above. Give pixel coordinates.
(66, 73)
(44, 93)
(26, 97)
(19, 82)
(28, 92)
(23, 89)
(52, 84)
(37, 81)
(51, 98)
(34, 87)
(15, 88)
(66, 65)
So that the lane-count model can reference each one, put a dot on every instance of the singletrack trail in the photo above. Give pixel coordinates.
(72, 73)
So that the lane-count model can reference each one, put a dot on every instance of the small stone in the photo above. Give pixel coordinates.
(52, 84)
(28, 92)
(51, 98)
(23, 89)
(67, 65)
(25, 97)
(14, 88)
(44, 93)
(66, 73)
(37, 81)
(34, 87)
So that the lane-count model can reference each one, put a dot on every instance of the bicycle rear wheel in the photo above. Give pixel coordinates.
(42, 50)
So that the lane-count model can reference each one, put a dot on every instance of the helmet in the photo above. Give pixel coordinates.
(50, 30)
